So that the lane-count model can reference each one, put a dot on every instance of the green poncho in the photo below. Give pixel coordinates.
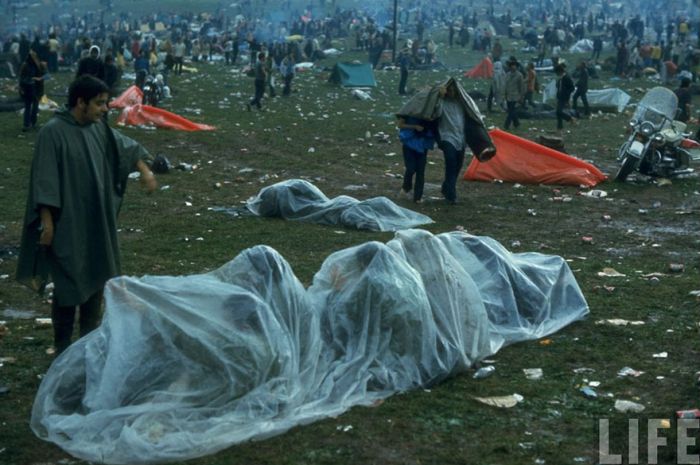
(80, 173)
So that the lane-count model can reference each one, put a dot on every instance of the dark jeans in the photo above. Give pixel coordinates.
(403, 81)
(259, 91)
(63, 319)
(561, 114)
(31, 110)
(287, 85)
(512, 115)
(415, 165)
(584, 100)
(453, 165)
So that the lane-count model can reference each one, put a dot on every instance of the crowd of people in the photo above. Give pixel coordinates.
(98, 46)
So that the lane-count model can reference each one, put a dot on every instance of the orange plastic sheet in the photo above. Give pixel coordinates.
(131, 96)
(138, 115)
(526, 162)
(483, 70)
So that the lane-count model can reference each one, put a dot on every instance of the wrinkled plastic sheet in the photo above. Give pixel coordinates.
(609, 98)
(296, 199)
(185, 366)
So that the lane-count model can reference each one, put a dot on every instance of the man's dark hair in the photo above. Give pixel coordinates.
(85, 87)
(685, 82)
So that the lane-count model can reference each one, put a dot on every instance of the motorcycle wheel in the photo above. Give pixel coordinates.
(628, 165)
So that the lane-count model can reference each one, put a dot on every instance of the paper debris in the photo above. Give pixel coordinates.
(501, 401)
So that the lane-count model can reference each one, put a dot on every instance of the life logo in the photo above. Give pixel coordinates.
(650, 441)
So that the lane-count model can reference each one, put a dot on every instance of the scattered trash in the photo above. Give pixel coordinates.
(694, 413)
(663, 182)
(4, 360)
(545, 342)
(595, 193)
(501, 401)
(43, 321)
(587, 240)
(608, 289)
(628, 371)
(619, 322)
(18, 314)
(533, 373)
(676, 267)
(344, 428)
(661, 355)
(589, 392)
(627, 406)
(186, 167)
(311, 150)
(611, 273)
(484, 372)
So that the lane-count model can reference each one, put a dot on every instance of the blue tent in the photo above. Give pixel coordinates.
(353, 75)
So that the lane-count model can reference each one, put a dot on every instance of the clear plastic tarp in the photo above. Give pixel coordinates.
(607, 98)
(182, 367)
(296, 199)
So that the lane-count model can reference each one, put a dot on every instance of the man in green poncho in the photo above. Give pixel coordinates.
(77, 182)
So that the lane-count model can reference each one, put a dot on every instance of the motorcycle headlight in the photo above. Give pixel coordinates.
(633, 123)
(658, 138)
(647, 128)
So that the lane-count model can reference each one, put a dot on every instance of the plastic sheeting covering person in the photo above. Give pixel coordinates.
(296, 199)
(185, 366)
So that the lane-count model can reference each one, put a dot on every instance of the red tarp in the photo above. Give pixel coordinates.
(131, 96)
(137, 115)
(484, 70)
(526, 162)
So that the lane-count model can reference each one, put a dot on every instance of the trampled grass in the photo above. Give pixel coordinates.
(174, 232)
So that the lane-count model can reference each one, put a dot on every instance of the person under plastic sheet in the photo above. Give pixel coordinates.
(375, 320)
(526, 295)
(456, 305)
(297, 199)
(264, 272)
(186, 366)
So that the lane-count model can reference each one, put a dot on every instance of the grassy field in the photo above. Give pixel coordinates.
(638, 229)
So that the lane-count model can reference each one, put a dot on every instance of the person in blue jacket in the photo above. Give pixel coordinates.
(417, 137)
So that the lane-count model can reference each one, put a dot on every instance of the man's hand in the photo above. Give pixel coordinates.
(149, 183)
(47, 227)
(148, 180)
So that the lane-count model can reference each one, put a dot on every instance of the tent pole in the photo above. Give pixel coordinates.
(393, 46)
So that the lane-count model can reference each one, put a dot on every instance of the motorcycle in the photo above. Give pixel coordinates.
(657, 146)
(151, 92)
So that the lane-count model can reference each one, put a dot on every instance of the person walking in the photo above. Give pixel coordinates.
(77, 182)
(417, 137)
(287, 70)
(684, 100)
(514, 93)
(581, 75)
(260, 78)
(31, 88)
(531, 85)
(565, 87)
(404, 64)
(497, 88)
(459, 125)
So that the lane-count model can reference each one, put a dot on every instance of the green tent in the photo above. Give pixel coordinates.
(353, 75)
